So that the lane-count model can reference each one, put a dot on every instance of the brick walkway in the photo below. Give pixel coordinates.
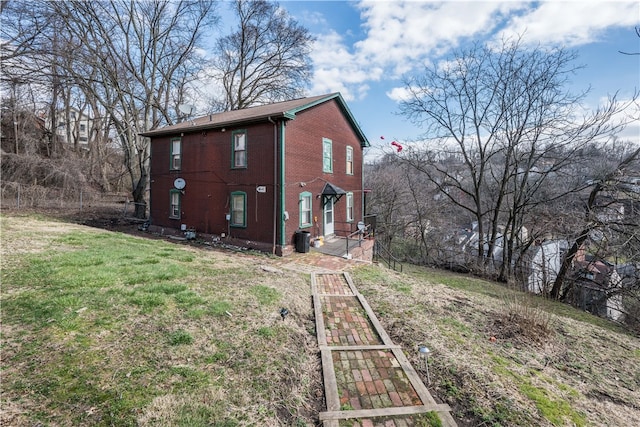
(311, 262)
(368, 380)
(346, 323)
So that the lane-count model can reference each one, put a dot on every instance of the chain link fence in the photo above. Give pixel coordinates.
(19, 196)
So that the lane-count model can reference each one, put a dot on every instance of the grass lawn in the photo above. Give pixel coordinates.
(104, 328)
(101, 328)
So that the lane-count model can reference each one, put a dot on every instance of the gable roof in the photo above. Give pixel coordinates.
(280, 110)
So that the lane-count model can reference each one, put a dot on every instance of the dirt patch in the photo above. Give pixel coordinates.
(519, 330)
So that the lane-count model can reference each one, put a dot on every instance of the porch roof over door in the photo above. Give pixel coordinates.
(332, 191)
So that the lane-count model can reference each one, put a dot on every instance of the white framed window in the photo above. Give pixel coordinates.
(349, 207)
(349, 160)
(176, 154)
(327, 155)
(175, 199)
(238, 209)
(239, 149)
(305, 209)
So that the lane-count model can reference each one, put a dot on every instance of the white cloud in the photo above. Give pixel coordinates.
(629, 116)
(337, 70)
(313, 18)
(399, 94)
(401, 36)
(572, 23)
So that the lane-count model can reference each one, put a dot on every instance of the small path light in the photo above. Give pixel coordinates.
(423, 352)
(284, 312)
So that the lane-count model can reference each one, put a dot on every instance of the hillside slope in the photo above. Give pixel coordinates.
(102, 328)
(505, 358)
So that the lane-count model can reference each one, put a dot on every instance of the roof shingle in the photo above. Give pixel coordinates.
(284, 109)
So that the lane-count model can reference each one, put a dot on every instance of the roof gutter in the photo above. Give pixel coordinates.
(172, 130)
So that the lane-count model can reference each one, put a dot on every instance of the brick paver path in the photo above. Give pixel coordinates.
(395, 421)
(346, 322)
(368, 380)
(329, 284)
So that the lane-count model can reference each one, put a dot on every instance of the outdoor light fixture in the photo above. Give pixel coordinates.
(423, 352)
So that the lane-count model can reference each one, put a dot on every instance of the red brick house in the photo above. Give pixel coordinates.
(261, 175)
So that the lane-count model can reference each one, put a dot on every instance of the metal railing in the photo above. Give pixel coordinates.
(361, 233)
(381, 253)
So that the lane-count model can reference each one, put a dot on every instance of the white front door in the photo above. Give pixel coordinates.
(328, 217)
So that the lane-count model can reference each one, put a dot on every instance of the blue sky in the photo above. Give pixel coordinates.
(364, 48)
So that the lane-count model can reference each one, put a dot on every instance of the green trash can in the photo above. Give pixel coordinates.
(303, 241)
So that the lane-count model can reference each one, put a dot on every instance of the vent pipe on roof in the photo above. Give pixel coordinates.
(210, 117)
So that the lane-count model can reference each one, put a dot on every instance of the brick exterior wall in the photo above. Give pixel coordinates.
(304, 168)
(206, 160)
(210, 180)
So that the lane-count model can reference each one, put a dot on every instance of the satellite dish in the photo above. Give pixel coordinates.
(187, 109)
(179, 183)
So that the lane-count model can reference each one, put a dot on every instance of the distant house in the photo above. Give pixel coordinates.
(629, 195)
(544, 265)
(462, 248)
(597, 287)
(261, 175)
(72, 129)
(595, 282)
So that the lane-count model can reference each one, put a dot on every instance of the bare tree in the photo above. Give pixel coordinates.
(505, 115)
(130, 59)
(265, 60)
(21, 28)
(387, 199)
(616, 183)
(637, 29)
